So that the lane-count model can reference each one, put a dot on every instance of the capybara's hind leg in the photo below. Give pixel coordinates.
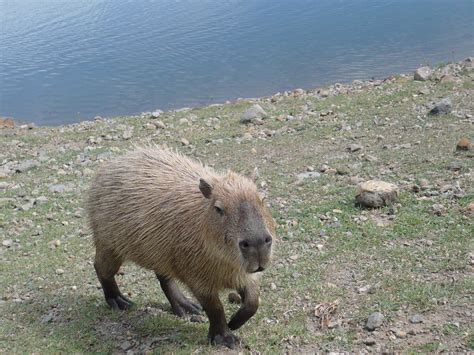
(106, 266)
(180, 304)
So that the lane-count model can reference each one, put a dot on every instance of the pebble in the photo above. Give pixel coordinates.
(252, 113)
(454, 165)
(159, 124)
(27, 165)
(416, 319)
(422, 73)
(399, 333)
(59, 271)
(438, 209)
(273, 286)
(441, 107)
(7, 243)
(369, 341)
(309, 174)
(374, 321)
(184, 142)
(463, 144)
(127, 134)
(354, 148)
(126, 345)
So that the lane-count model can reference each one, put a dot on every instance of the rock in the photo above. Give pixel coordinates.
(375, 194)
(6, 122)
(438, 209)
(27, 165)
(159, 124)
(463, 144)
(7, 243)
(342, 170)
(374, 321)
(197, 318)
(60, 188)
(54, 244)
(443, 106)
(150, 126)
(156, 114)
(126, 345)
(47, 318)
(273, 286)
(416, 319)
(184, 142)
(455, 165)
(399, 333)
(252, 113)
(448, 78)
(309, 174)
(422, 73)
(369, 341)
(323, 92)
(354, 148)
(59, 271)
(127, 134)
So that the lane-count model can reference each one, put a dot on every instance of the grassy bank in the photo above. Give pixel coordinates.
(413, 258)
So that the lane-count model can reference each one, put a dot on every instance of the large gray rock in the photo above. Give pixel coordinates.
(252, 113)
(441, 107)
(376, 194)
(423, 74)
(27, 165)
(374, 321)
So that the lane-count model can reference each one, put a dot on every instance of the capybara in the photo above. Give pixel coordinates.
(185, 221)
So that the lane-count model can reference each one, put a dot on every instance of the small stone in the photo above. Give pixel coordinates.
(156, 114)
(252, 113)
(273, 286)
(59, 271)
(369, 341)
(441, 107)
(126, 345)
(342, 170)
(454, 165)
(438, 209)
(159, 124)
(184, 142)
(7, 243)
(374, 321)
(127, 134)
(463, 144)
(448, 78)
(184, 121)
(54, 244)
(196, 318)
(27, 165)
(309, 174)
(354, 148)
(399, 333)
(375, 194)
(47, 318)
(422, 73)
(416, 319)
(150, 126)
(74, 288)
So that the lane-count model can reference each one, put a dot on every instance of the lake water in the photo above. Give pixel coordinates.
(63, 61)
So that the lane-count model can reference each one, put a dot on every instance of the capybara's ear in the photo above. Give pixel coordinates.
(205, 188)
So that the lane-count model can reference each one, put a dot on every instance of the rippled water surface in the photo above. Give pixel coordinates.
(63, 61)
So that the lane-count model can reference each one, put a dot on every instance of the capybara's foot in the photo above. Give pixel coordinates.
(228, 339)
(120, 302)
(184, 305)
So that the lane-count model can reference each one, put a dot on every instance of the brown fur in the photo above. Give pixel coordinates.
(147, 207)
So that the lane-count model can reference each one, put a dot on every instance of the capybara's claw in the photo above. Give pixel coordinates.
(120, 303)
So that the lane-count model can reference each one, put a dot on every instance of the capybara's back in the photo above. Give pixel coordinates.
(184, 221)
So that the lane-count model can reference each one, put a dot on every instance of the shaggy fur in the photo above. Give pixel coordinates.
(147, 207)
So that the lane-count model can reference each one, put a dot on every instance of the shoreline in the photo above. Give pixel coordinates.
(9, 122)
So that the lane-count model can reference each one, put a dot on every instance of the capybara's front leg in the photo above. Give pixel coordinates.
(180, 304)
(219, 332)
(250, 296)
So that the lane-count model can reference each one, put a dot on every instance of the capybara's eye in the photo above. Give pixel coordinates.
(268, 240)
(219, 210)
(244, 244)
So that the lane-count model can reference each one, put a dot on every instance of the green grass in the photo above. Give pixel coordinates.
(327, 250)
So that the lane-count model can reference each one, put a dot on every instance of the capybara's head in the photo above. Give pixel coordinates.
(240, 216)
